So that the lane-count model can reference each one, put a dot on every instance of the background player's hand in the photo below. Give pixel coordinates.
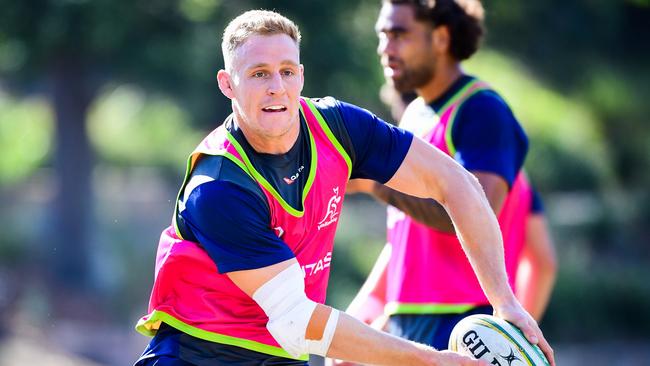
(515, 314)
(360, 186)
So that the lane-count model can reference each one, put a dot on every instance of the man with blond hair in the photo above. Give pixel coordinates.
(241, 274)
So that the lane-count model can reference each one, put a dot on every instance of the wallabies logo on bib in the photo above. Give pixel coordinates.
(332, 214)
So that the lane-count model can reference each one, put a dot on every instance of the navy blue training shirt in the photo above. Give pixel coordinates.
(485, 133)
(227, 213)
(536, 206)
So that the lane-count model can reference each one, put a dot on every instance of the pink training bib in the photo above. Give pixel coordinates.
(428, 271)
(189, 293)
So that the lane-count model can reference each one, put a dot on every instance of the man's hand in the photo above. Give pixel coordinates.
(360, 186)
(515, 314)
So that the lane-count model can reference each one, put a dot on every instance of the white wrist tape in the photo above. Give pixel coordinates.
(289, 310)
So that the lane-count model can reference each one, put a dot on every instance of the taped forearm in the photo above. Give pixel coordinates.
(298, 324)
(425, 211)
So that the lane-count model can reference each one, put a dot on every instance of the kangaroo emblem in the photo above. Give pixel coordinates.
(332, 214)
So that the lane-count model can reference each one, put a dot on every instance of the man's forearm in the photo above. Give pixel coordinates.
(429, 173)
(538, 267)
(425, 211)
(478, 231)
(356, 342)
(534, 285)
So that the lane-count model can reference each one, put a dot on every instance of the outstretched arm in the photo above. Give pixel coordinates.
(302, 325)
(428, 173)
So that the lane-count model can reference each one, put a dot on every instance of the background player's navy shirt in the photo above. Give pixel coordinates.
(485, 133)
(536, 206)
(228, 214)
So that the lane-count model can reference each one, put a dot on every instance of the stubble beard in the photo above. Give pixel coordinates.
(413, 79)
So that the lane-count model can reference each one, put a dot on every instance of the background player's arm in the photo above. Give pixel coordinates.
(353, 340)
(368, 304)
(428, 211)
(537, 268)
(426, 172)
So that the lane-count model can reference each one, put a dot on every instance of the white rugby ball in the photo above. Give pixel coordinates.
(494, 340)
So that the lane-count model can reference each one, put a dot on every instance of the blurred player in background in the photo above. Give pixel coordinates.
(422, 280)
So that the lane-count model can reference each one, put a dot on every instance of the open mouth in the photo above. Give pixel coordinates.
(274, 108)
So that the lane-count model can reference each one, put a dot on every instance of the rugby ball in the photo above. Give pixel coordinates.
(494, 340)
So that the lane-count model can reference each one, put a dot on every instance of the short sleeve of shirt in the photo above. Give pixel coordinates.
(378, 148)
(536, 206)
(233, 225)
(488, 138)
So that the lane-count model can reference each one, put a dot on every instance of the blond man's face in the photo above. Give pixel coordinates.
(264, 81)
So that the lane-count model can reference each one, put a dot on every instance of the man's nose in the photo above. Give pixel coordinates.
(276, 84)
(385, 47)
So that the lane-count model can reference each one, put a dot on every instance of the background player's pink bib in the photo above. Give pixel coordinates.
(428, 271)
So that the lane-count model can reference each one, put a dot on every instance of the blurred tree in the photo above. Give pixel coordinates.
(25, 130)
(595, 51)
(69, 49)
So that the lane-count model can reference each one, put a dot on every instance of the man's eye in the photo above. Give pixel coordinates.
(259, 74)
(393, 35)
(288, 72)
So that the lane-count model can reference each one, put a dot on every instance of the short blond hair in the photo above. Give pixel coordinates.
(255, 22)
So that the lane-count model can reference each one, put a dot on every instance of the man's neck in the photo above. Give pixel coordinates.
(444, 77)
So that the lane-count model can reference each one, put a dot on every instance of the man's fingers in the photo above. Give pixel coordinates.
(532, 331)
(535, 336)
(548, 351)
(528, 327)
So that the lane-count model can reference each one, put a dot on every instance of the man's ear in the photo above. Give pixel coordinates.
(302, 77)
(441, 39)
(225, 83)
